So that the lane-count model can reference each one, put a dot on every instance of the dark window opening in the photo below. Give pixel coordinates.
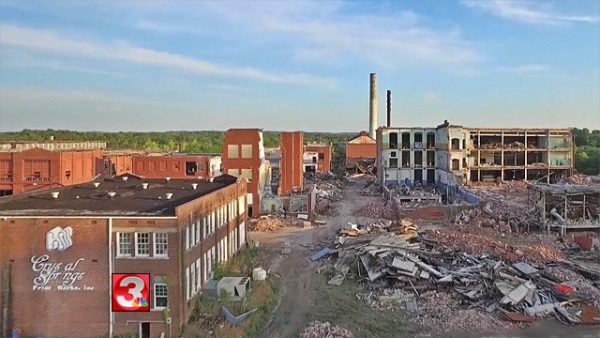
(418, 158)
(321, 156)
(455, 143)
(393, 163)
(405, 159)
(191, 168)
(465, 163)
(431, 158)
(405, 140)
(430, 140)
(418, 176)
(68, 174)
(455, 164)
(392, 154)
(393, 140)
(314, 159)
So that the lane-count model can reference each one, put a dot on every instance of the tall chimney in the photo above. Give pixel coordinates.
(373, 106)
(389, 108)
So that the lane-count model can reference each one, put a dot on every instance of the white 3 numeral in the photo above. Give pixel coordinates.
(135, 291)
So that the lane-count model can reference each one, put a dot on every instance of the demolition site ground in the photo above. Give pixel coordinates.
(366, 269)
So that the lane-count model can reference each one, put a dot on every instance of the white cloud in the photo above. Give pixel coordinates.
(12, 35)
(523, 11)
(525, 69)
(330, 32)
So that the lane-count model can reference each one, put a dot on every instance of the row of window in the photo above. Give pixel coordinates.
(245, 173)
(233, 151)
(206, 225)
(142, 244)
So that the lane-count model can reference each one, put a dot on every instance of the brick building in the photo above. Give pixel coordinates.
(361, 148)
(177, 166)
(291, 167)
(60, 286)
(244, 155)
(40, 169)
(317, 157)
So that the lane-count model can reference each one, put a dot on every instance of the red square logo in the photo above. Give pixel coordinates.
(131, 292)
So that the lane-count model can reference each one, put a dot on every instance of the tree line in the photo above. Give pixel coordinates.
(587, 156)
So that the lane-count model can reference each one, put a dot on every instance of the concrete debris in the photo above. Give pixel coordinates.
(259, 274)
(378, 209)
(286, 248)
(464, 281)
(318, 329)
(271, 224)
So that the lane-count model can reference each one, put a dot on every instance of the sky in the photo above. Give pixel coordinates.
(296, 65)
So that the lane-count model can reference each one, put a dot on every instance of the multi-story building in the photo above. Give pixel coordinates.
(51, 145)
(291, 167)
(244, 155)
(39, 169)
(317, 157)
(362, 148)
(177, 166)
(58, 250)
(453, 154)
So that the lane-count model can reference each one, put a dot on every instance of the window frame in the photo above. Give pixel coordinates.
(155, 244)
(155, 296)
(137, 254)
(119, 244)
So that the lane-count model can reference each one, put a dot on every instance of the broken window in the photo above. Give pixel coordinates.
(405, 159)
(393, 140)
(431, 158)
(246, 151)
(405, 140)
(321, 156)
(314, 159)
(191, 168)
(455, 144)
(418, 158)
(418, 140)
(455, 164)
(392, 154)
(233, 151)
(430, 140)
(393, 163)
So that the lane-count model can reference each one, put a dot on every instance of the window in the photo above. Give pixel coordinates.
(142, 244)
(233, 151)
(161, 299)
(393, 140)
(68, 174)
(188, 294)
(233, 172)
(191, 168)
(198, 275)
(124, 244)
(193, 279)
(321, 156)
(161, 244)
(198, 225)
(392, 154)
(246, 151)
(247, 174)
(455, 164)
(393, 163)
(187, 238)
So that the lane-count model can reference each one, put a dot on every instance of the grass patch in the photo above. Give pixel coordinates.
(207, 315)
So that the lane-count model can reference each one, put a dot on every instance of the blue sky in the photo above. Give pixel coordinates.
(293, 65)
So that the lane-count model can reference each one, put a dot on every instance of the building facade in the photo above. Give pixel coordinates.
(59, 249)
(244, 155)
(455, 155)
(39, 169)
(318, 157)
(291, 167)
(177, 166)
(361, 148)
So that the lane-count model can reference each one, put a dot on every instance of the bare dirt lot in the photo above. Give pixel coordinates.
(305, 295)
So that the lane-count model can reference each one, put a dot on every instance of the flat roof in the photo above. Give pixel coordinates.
(130, 198)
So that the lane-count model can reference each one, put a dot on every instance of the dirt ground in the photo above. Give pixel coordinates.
(305, 295)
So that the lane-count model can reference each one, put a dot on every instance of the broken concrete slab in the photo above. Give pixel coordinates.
(525, 268)
(518, 294)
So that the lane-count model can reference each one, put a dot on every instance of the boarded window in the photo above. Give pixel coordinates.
(233, 151)
(246, 151)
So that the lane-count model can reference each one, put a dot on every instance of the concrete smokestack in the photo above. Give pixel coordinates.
(373, 106)
(389, 108)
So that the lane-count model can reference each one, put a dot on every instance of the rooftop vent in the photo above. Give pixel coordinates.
(55, 194)
(169, 195)
(168, 179)
(125, 178)
(144, 185)
(112, 194)
(96, 184)
(210, 179)
(194, 186)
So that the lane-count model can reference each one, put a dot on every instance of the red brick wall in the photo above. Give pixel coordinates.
(56, 313)
(323, 165)
(292, 162)
(169, 166)
(358, 151)
(238, 137)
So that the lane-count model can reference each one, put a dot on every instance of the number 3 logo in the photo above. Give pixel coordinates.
(130, 292)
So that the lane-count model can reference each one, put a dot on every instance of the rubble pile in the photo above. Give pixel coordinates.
(378, 209)
(318, 329)
(329, 191)
(269, 224)
(464, 281)
(580, 179)
(487, 245)
(325, 207)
